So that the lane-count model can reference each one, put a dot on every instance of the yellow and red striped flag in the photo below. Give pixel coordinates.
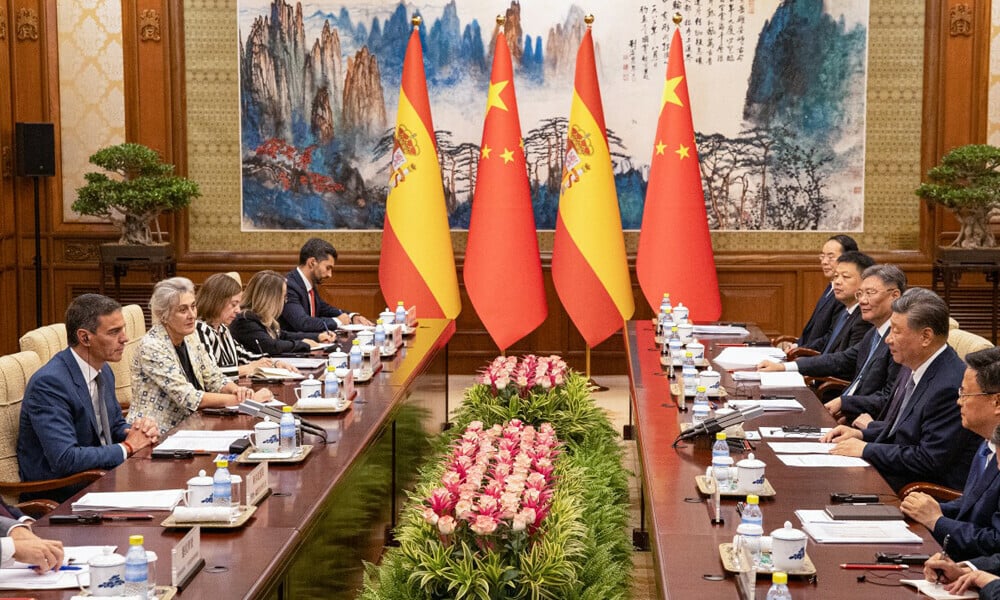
(675, 248)
(417, 264)
(589, 267)
(503, 271)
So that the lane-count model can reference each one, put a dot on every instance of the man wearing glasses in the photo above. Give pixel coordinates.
(919, 436)
(827, 308)
(971, 523)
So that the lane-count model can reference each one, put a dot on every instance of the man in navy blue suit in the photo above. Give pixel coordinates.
(971, 523)
(70, 418)
(827, 308)
(304, 310)
(919, 437)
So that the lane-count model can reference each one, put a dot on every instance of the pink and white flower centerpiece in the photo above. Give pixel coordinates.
(497, 485)
(508, 375)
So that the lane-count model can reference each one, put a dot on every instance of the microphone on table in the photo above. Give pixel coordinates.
(259, 410)
(717, 424)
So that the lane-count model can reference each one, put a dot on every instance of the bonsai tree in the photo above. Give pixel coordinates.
(144, 186)
(968, 182)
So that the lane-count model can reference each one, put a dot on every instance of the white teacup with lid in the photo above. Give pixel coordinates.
(685, 331)
(107, 573)
(681, 313)
(697, 350)
(337, 359)
(265, 436)
(309, 388)
(750, 474)
(711, 379)
(788, 548)
(199, 490)
(388, 317)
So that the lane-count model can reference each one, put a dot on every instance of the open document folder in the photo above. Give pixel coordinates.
(21, 577)
(147, 500)
(825, 530)
(747, 357)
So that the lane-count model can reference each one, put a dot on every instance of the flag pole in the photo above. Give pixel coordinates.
(594, 386)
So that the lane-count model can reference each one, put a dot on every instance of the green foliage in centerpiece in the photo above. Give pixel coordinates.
(577, 547)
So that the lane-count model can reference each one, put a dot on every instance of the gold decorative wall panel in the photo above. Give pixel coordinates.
(993, 126)
(895, 77)
(91, 87)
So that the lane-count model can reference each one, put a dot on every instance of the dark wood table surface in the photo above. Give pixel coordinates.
(685, 542)
(255, 556)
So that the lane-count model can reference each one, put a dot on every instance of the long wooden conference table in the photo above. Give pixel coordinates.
(685, 543)
(326, 515)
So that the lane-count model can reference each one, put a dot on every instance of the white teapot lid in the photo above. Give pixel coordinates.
(107, 559)
(751, 462)
(788, 533)
(200, 479)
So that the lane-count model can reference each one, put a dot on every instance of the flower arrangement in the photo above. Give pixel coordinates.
(497, 482)
(508, 375)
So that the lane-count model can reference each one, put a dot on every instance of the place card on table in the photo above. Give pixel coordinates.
(185, 558)
(347, 386)
(375, 358)
(257, 484)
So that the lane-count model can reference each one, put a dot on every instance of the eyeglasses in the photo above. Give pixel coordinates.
(858, 295)
(962, 394)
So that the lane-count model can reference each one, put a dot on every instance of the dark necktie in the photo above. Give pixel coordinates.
(830, 343)
(901, 408)
(876, 340)
(102, 412)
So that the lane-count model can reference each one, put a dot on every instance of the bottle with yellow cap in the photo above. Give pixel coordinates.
(779, 587)
(222, 484)
(751, 511)
(136, 569)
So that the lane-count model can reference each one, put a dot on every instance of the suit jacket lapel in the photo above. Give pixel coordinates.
(82, 390)
(983, 482)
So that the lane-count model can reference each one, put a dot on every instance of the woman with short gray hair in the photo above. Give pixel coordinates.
(172, 373)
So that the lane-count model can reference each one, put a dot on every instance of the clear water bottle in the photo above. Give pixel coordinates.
(690, 373)
(379, 338)
(136, 569)
(331, 384)
(355, 358)
(665, 303)
(720, 447)
(287, 430)
(222, 485)
(674, 334)
(701, 400)
(752, 515)
(400, 316)
(779, 587)
(661, 320)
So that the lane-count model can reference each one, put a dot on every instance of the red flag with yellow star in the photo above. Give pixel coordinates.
(675, 248)
(503, 271)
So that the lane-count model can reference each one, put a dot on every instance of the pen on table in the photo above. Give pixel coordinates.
(873, 567)
(61, 568)
(127, 517)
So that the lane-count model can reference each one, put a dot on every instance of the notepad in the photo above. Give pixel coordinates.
(145, 500)
(863, 512)
(745, 357)
(204, 441)
(781, 379)
(801, 447)
(275, 373)
(769, 404)
(825, 530)
(936, 590)
(821, 460)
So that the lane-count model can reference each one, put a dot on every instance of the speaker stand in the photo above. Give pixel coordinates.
(38, 254)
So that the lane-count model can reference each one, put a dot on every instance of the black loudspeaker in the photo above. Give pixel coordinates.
(36, 149)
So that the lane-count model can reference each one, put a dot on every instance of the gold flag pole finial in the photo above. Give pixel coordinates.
(416, 20)
(678, 18)
(501, 20)
(589, 20)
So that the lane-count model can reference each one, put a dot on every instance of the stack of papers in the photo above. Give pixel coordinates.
(745, 357)
(801, 447)
(148, 500)
(21, 577)
(821, 460)
(303, 363)
(769, 404)
(202, 441)
(729, 330)
(275, 373)
(825, 530)
(779, 432)
(781, 379)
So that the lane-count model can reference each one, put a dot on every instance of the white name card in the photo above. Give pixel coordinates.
(347, 386)
(185, 558)
(257, 484)
(376, 359)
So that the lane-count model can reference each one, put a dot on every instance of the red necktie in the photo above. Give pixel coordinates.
(312, 302)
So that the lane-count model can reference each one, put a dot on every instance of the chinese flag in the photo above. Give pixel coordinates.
(503, 272)
(675, 249)
(589, 267)
(417, 264)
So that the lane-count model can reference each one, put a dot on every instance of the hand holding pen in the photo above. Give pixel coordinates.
(940, 568)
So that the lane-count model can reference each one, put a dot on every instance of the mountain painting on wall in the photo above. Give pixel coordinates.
(777, 90)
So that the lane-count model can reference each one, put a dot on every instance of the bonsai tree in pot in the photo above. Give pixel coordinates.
(968, 182)
(143, 186)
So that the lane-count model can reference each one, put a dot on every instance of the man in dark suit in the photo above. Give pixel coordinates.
(847, 330)
(19, 543)
(305, 311)
(971, 523)
(70, 418)
(919, 437)
(827, 308)
(874, 371)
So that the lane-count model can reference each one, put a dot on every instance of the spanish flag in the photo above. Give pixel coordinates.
(675, 248)
(589, 267)
(417, 264)
(503, 271)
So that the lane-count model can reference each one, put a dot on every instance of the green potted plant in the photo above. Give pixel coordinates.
(968, 182)
(141, 187)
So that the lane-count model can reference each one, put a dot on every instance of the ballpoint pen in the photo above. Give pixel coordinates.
(61, 568)
(944, 555)
(873, 567)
